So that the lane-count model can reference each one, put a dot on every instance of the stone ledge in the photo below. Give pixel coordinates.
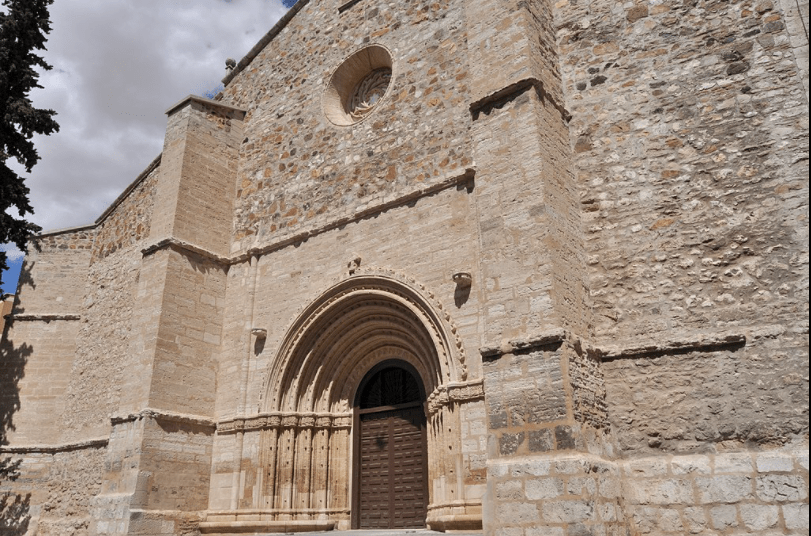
(67, 230)
(456, 523)
(698, 342)
(185, 247)
(514, 90)
(55, 449)
(549, 338)
(206, 102)
(446, 181)
(248, 527)
(348, 5)
(165, 416)
(42, 317)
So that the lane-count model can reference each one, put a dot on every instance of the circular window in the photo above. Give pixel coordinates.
(358, 85)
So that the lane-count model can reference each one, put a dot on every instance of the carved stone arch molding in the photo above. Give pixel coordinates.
(371, 315)
(305, 425)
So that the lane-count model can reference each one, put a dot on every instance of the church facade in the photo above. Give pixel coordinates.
(520, 266)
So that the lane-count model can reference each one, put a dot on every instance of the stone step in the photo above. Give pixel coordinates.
(402, 532)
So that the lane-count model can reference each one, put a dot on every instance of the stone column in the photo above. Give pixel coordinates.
(271, 453)
(284, 471)
(320, 466)
(303, 474)
(340, 464)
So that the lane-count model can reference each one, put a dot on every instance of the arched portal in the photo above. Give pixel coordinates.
(390, 466)
(309, 447)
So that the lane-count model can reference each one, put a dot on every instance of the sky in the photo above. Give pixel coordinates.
(117, 66)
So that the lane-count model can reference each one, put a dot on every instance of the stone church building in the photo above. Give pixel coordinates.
(531, 267)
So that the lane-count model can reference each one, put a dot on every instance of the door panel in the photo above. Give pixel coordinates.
(393, 483)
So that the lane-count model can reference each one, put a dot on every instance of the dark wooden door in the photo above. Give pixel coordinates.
(393, 479)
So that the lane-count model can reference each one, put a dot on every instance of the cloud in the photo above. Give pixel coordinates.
(117, 66)
(12, 253)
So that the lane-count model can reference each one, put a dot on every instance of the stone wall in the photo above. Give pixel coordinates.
(690, 131)
(39, 341)
(129, 221)
(555, 495)
(725, 493)
(691, 401)
(271, 292)
(644, 368)
(107, 302)
(296, 168)
(48, 492)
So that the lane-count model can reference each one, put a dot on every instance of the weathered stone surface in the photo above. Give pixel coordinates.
(796, 516)
(782, 488)
(624, 188)
(724, 489)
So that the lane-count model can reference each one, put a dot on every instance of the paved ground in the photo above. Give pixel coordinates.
(410, 532)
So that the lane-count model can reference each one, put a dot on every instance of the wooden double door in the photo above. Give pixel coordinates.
(393, 469)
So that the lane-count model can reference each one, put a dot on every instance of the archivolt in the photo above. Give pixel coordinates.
(363, 320)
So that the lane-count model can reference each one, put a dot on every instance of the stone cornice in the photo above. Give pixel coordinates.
(514, 90)
(348, 5)
(68, 230)
(539, 340)
(206, 102)
(698, 342)
(450, 180)
(266, 39)
(185, 247)
(120, 199)
(164, 416)
(109, 210)
(55, 449)
(701, 342)
(48, 317)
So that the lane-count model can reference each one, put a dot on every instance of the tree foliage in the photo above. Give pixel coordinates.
(23, 30)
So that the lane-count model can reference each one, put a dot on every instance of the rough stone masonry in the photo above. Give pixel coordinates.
(576, 231)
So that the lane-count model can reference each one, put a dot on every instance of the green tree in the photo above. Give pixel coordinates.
(23, 27)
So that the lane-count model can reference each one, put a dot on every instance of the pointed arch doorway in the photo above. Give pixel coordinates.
(391, 449)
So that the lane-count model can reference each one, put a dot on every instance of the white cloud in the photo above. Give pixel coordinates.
(118, 65)
(12, 253)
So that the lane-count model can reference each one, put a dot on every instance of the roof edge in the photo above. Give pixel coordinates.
(66, 230)
(128, 190)
(104, 215)
(268, 37)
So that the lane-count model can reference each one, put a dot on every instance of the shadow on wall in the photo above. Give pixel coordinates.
(14, 508)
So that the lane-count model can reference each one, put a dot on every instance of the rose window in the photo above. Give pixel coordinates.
(359, 85)
(369, 92)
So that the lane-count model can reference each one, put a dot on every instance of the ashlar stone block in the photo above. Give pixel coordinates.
(728, 489)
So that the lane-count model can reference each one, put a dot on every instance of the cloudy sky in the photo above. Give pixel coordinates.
(117, 66)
